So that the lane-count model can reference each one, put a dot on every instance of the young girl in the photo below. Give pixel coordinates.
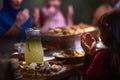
(51, 16)
(104, 64)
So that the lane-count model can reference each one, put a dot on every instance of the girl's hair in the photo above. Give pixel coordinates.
(109, 24)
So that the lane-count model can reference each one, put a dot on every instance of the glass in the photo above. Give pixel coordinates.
(19, 47)
(8, 69)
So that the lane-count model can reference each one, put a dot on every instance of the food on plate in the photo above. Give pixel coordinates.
(45, 68)
(70, 30)
(68, 54)
(66, 31)
(56, 68)
(83, 26)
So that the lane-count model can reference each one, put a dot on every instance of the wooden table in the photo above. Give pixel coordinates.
(73, 72)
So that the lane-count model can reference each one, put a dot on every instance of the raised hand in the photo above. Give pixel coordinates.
(36, 16)
(70, 10)
(88, 43)
(22, 17)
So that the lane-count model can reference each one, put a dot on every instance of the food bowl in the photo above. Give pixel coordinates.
(60, 42)
(69, 56)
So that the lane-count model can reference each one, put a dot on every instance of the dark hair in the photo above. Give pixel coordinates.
(109, 25)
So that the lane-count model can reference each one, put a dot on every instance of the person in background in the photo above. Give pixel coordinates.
(103, 64)
(51, 16)
(117, 4)
(107, 6)
(14, 20)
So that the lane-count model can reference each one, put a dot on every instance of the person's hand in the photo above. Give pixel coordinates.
(22, 17)
(88, 43)
(70, 10)
(36, 16)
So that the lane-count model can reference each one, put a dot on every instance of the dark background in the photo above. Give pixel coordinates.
(84, 9)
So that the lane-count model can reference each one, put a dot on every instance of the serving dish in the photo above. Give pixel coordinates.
(69, 56)
(41, 70)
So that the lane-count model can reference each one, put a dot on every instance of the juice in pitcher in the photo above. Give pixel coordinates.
(33, 48)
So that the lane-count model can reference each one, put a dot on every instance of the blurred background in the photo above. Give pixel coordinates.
(84, 9)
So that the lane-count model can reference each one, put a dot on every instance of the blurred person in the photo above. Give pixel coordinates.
(51, 16)
(107, 6)
(103, 64)
(117, 4)
(14, 20)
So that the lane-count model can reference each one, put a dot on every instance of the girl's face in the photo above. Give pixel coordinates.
(55, 3)
(16, 4)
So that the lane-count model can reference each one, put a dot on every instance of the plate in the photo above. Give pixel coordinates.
(41, 70)
(69, 56)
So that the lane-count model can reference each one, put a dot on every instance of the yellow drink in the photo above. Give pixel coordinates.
(33, 51)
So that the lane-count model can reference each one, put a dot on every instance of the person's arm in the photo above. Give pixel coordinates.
(13, 31)
(69, 20)
(2, 29)
(47, 19)
(36, 17)
(46, 27)
(94, 62)
(21, 19)
(96, 69)
(70, 15)
(88, 44)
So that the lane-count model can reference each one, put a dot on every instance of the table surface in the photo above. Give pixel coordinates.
(71, 69)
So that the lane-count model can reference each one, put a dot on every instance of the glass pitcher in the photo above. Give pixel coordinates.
(33, 48)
